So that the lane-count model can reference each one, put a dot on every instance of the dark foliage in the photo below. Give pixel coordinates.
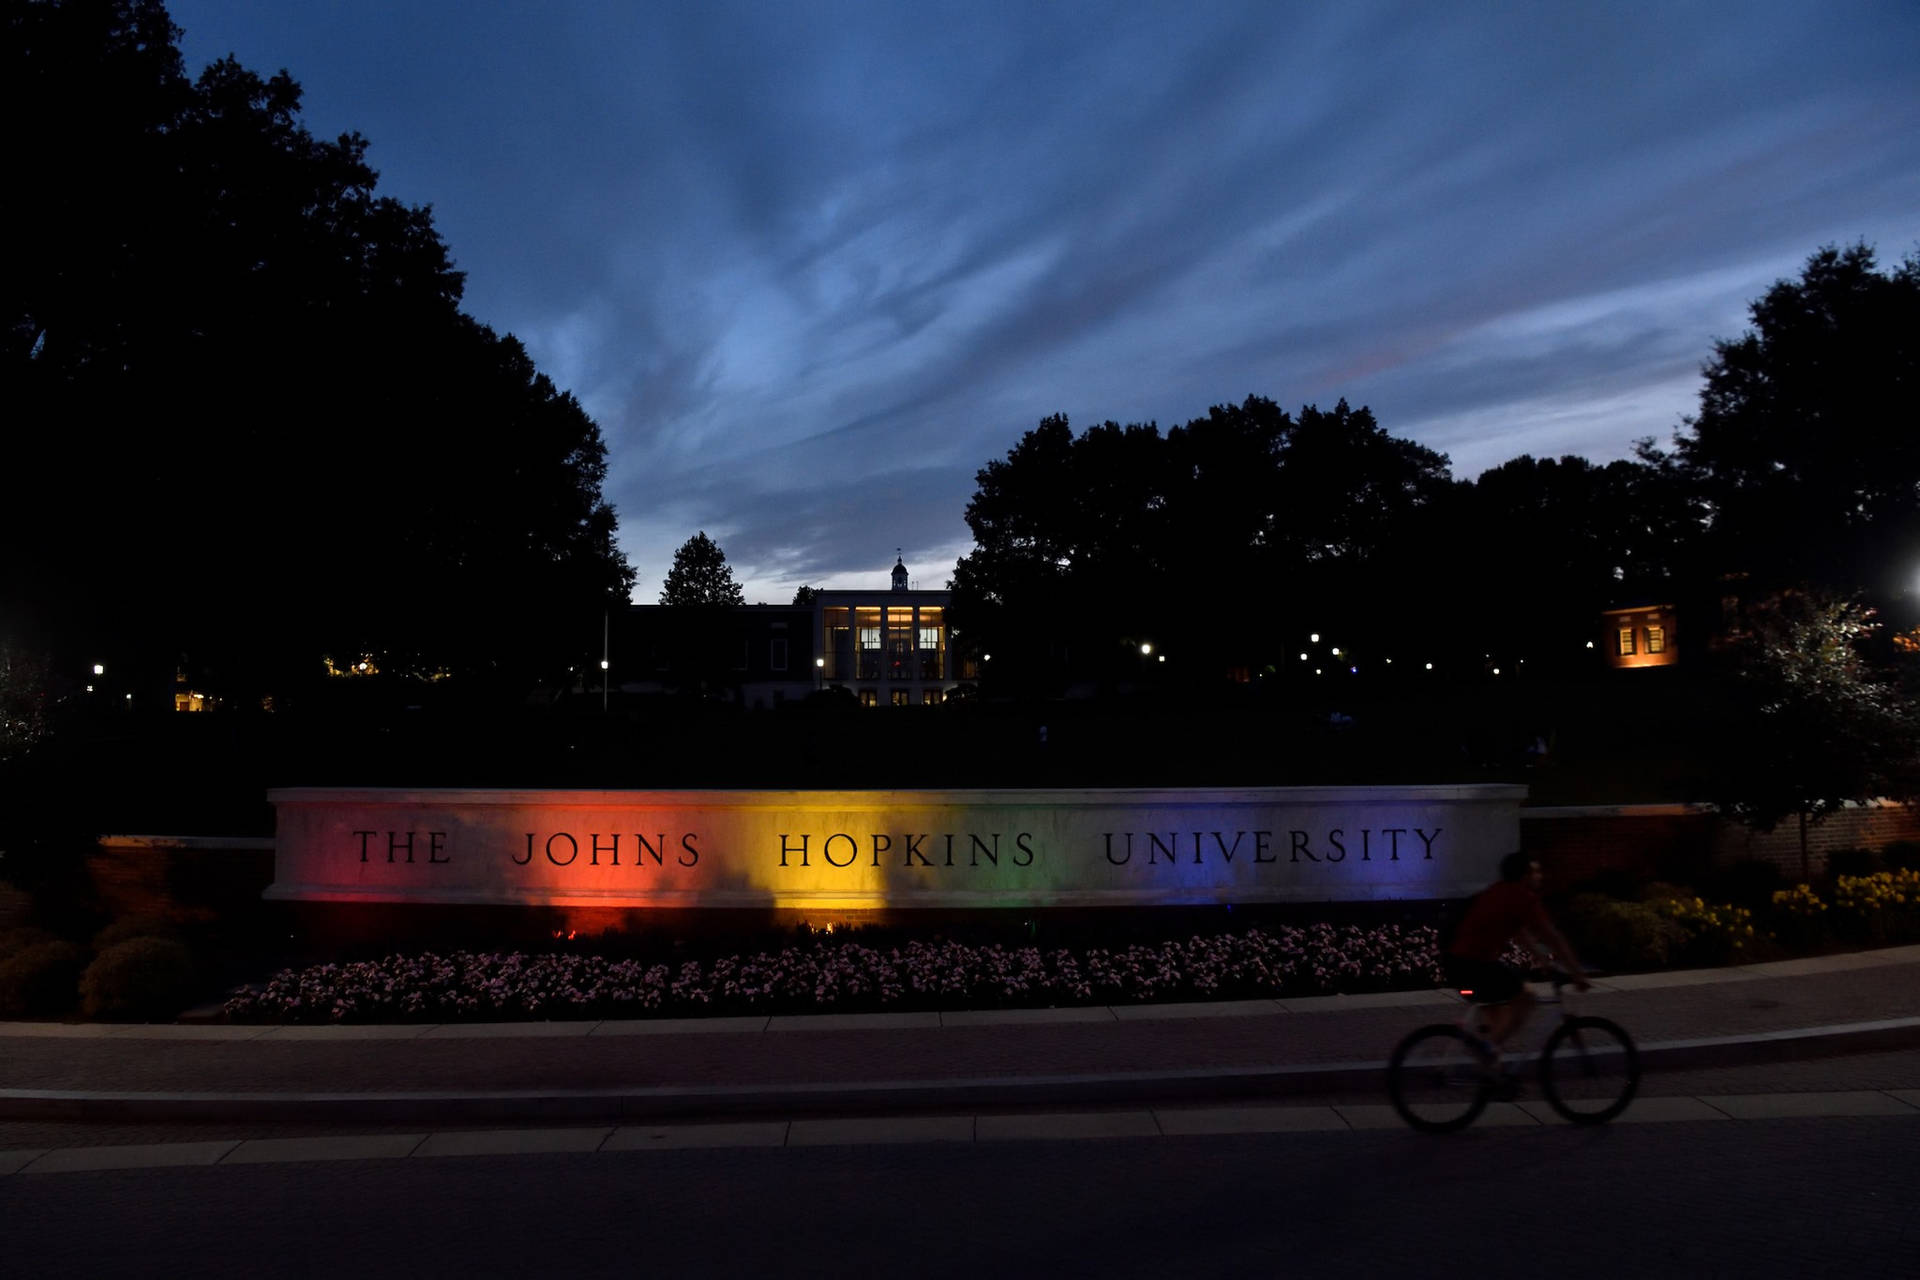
(1804, 457)
(250, 421)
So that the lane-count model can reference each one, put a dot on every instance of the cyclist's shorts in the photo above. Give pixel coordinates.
(1483, 981)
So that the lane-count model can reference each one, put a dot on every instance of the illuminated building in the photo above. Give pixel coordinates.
(892, 647)
(1641, 636)
(887, 647)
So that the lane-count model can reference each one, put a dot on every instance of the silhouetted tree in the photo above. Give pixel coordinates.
(1215, 542)
(1550, 542)
(1804, 453)
(700, 575)
(239, 381)
(804, 596)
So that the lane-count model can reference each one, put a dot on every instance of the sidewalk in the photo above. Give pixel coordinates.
(898, 1062)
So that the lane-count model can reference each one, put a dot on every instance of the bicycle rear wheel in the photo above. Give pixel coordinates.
(1589, 1070)
(1436, 1079)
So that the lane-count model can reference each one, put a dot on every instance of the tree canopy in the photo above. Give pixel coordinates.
(1219, 540)
(1808, 720)
(245, 396)
(700, 576)
(1804, 455)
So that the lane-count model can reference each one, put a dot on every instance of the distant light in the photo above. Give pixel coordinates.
(603, 664)
(1316, 671)
(1163, 658)
(99, 670)
(1389, 661)
(1336, 651)
(1496, 671)
(1353, 671)
(1146, 648)
(89, 688)
(819, 662)
(129, 697)
(1589, 644)
(986, 657)
(1303, 657)
(1429, 666)
(1314, 638)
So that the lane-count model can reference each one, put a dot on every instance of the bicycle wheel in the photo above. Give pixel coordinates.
(1589, 1070)
(1437, 1082)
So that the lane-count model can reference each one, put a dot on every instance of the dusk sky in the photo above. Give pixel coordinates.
(812, 265)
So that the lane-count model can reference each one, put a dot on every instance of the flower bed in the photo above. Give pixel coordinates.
(832, 976)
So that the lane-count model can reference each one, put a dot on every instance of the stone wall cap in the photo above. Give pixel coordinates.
(836, 798)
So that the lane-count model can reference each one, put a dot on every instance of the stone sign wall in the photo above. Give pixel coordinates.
(875, 849)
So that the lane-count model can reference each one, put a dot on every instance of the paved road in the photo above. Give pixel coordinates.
(1897, 1071)
(1752, 1198)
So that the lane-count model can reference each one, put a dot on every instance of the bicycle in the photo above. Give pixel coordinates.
(1440, 1078)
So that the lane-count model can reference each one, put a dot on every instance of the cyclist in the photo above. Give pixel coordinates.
(1498, 915)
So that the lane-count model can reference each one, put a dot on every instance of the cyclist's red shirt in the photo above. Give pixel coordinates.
(1494, 917)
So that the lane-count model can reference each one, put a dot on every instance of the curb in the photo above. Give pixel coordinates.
(889, 1097)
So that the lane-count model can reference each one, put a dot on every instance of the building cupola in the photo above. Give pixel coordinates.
(899, 572)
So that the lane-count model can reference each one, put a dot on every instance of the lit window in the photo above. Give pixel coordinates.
(869, 698)
(1626, 640)
(932, 697)
(1656, 639)
(899, 697)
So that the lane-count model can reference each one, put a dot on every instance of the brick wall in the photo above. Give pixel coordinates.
(1660, 842)
(184, 879)
(1673, 842)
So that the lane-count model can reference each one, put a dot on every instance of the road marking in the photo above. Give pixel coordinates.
(1781, 1106)
(871, 1131)
(513, 1142)
(1065, 1124)
(374, 1146)
(664, 1137)
(159, 1155)
(1198, 1121)
(1176, 1122)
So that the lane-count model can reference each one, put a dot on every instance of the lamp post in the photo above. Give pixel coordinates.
(603, 662)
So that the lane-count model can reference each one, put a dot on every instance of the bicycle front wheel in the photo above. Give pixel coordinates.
(1589, 1070)
(1437, 1081)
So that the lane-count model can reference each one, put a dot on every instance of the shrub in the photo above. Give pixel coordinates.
(1716, 931)
(14, 941)
(1613, 882)
(1902, 855)
(1751, 882)
(1623, 935)
(39, 980)
(141, 977)
(1852, 862)
(1800, 918)
(1883, 907)
(134, 927)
